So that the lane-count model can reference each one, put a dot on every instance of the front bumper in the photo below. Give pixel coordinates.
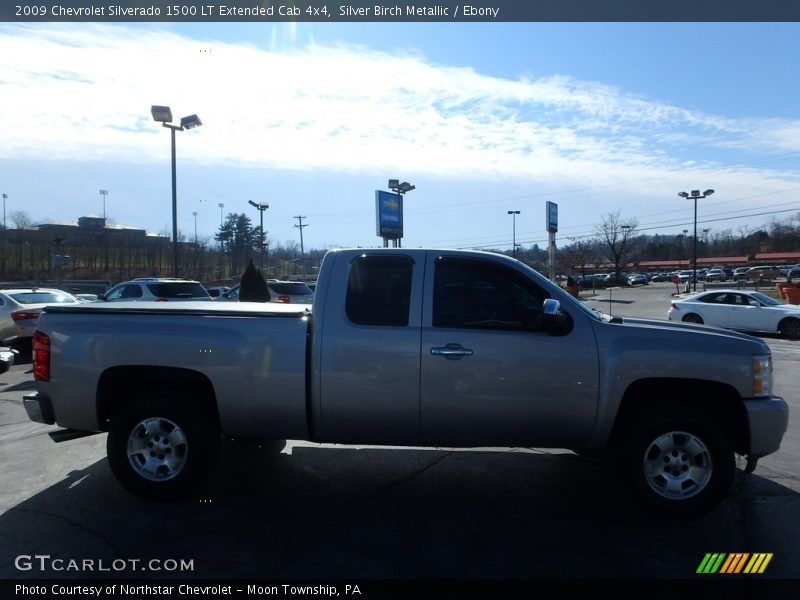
(768, 420)
(39, 408)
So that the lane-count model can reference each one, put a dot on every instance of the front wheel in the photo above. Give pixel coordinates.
(159, 447)
(680, 460)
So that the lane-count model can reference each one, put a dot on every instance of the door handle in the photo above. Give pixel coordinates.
(453, 351)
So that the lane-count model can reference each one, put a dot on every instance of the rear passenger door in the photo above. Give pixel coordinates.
(368, 342)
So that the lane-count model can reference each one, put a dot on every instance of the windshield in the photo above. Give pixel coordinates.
(179, 289)
(766, 300)
(295, 289)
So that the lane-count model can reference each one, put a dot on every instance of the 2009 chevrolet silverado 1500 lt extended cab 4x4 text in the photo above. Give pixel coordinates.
(415, 348)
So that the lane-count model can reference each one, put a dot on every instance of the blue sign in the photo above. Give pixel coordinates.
(389, 215)
(552, 217)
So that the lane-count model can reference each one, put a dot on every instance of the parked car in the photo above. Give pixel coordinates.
(216, 292)
(20, 308)
(739, 273)
(786, 269)
(716, 274)
(686, 275)
(637, 279)
(284, 292)
(7, 356)
(157, 289)
(738, 309)
(657, 277)
(762, 272)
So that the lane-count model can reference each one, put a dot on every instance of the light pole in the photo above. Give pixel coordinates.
(261, 207)
(400, 189)
(695, 195)
(5, 196)
(302, 251)
(104, 193)
(194, 214)
(514, 214)
(163, 115)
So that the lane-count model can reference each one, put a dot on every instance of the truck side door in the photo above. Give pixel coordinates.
(367, 345)
(491, 372)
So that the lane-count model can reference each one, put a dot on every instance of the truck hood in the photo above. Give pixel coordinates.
(696, 335)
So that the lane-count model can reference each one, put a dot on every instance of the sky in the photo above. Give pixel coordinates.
(482, 118)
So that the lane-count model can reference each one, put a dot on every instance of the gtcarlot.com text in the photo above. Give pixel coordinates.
(46, 563)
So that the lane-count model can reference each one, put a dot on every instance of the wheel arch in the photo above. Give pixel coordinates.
(718, 400)
(118, 386)
(785, 320)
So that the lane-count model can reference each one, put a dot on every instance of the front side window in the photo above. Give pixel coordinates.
(479, 294)
(379, 290)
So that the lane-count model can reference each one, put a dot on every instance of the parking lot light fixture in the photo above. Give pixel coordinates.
(695, 195)
(163, 115)
(514, 214)
(260, 207)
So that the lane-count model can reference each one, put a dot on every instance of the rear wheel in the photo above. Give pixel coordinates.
(693, 318)
(680, 460)
(790, 328)
(161, 445)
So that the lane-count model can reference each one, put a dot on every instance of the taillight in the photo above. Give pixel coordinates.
(41, 356)
(22, 315)
(675, 306)
(284, 299)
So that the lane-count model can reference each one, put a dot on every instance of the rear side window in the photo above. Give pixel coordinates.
(178, 289)
(379, 290)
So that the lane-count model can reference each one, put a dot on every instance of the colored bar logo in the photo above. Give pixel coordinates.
(734, 563)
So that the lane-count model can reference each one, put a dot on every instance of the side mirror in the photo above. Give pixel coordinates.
(556, 322)
(551, 307)
(101, 297)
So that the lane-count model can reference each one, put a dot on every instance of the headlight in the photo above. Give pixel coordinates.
(762, 375)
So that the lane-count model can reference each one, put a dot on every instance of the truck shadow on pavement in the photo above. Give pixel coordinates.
(344, 512)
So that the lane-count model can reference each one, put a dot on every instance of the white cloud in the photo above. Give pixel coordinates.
(84, 92)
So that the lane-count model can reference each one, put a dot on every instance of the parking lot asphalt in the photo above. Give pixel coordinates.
(330, 511)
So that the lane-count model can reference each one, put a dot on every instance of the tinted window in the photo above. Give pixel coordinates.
(178, 289)
(42, 298)
(295, 289)
(379, 290)
(479, 294)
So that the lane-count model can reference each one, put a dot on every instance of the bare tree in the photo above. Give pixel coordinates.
(21, 219)
(616, 235)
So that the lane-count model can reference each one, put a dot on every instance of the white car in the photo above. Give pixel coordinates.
(738, 309)
(20, 308)
(716, 275)
(284, 292)
(158, 289)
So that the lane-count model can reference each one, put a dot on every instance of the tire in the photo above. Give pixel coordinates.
(790, 328)
(693, 318)
(160, 446)
(680, 460)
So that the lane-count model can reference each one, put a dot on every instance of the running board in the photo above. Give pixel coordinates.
(65, 435)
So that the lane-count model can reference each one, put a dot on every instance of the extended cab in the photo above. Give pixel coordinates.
(414, 348)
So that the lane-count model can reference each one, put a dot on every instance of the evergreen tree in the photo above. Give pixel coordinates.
(254, 286)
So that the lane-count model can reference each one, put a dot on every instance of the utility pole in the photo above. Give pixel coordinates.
(302, 250)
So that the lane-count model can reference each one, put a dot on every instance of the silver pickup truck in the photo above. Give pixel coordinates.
(409, 348)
